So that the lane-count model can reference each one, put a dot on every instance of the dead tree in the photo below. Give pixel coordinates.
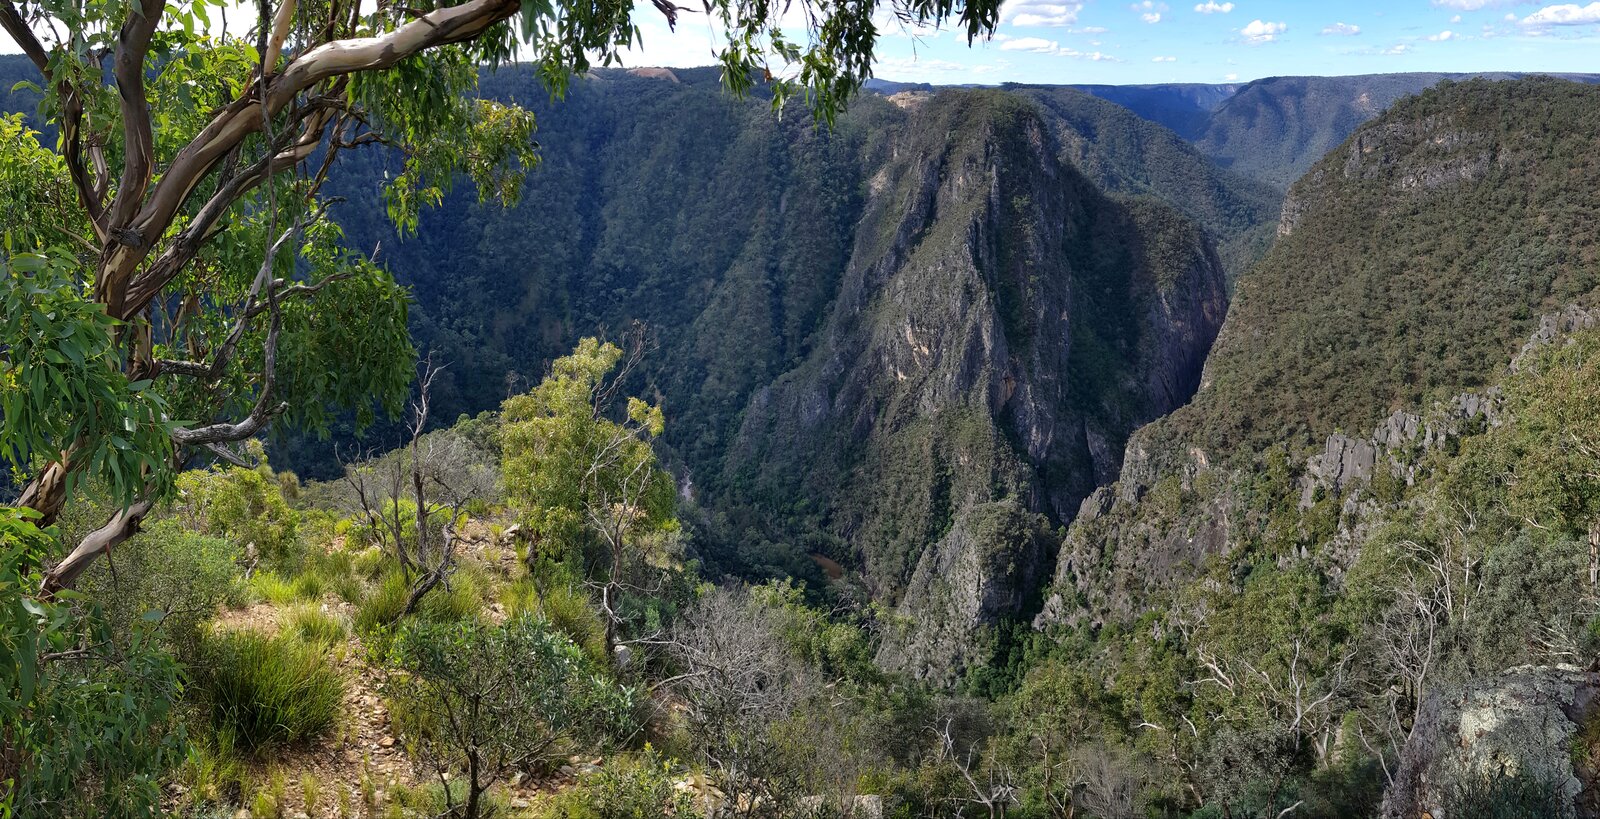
(423, 473)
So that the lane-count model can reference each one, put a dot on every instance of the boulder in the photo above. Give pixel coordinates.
(1527, 723)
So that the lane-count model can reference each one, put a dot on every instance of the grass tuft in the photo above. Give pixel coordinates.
(265, 691)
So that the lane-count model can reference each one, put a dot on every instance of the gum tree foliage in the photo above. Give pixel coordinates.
(586, 485)
(147, 321)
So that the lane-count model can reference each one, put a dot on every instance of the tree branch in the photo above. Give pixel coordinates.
(11, 20)
(242, 117)
(138, 143)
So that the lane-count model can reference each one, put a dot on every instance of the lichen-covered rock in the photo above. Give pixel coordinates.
(1521, 723)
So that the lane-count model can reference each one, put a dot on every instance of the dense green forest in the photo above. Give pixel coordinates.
(1484, 185)
(388, 436)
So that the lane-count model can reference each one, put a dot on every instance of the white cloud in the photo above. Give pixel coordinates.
(1050, 15)
(1231, 77)
(1447, 35)
(1455, 19)
(1213, 7)
(1038, 45)
(1474, 5)
(1342, 30)
(1260, 31)
(1569, 14)
(1149, 11)
(912, 67)
(1163, 59)
(1396, 50)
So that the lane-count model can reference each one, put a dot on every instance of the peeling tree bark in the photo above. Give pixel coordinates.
(123, 525)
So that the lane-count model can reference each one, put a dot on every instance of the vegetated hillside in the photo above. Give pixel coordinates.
(1413, 263)
(1133, 156)
(1410, 263)
(15, 97)
(1186, 108)
(1001, 326)
(843, 321)
(1244, 617)
(1275, 129)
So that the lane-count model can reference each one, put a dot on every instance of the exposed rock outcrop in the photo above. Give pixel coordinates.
(1171, 509)
(1525, 723)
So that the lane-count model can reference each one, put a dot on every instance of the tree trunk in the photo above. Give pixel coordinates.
(474, 790)
(1594, 557)
(123, 525)
(607, 601)
(46, 493)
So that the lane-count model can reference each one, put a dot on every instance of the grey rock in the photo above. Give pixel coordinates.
(1518, 723)
(1344, 461)
(1554, 328)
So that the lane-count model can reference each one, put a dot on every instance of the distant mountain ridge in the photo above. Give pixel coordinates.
(1273, 129)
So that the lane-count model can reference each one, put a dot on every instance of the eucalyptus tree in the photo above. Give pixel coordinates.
(176, 283)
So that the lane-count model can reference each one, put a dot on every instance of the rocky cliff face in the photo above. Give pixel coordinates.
(1152, 530)
(1531, 723)
(1001, 327)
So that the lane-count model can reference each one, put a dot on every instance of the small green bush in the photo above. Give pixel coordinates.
(246, 506)
(273, 588)
(263, 691)
(487, 700)
(80, 736)
(626, 788)
(458, 598)
(566, 610)
(309, 586)
(369, 562)
(182, 575)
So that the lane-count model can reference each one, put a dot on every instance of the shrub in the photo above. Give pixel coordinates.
(244, 505)
(214, 775)
(486, 700)
(566, 610)
(89, 735)
(263, 691)
(626, 788)
(458, 598)
(180, 574)
(383, 605)
(336, 572)
(369, 562)
(273, 588)
(308, 586)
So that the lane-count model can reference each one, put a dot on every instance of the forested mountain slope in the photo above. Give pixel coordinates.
(1186, 108)
(846, 323)
(1306, 587)
(1411, 264)
(1274, 129)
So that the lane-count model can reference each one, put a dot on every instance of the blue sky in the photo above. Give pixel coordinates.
(1102, 41)
(1212, 41)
